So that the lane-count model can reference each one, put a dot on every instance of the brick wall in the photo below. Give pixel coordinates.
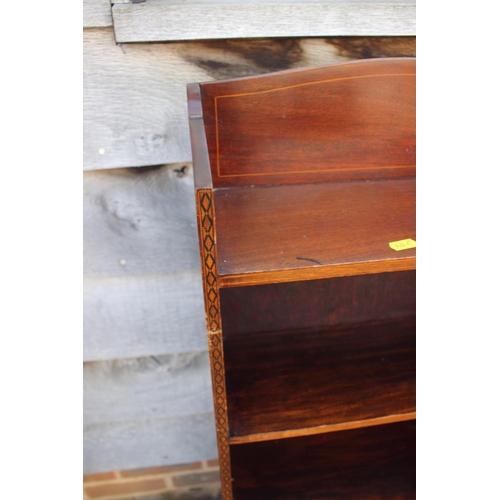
(199, 480)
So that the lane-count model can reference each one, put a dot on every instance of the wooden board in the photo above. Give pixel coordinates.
(135, 111)
(148, 443)
(296, 380)
(142, 278)
(347, 121)
(96, 13)
(336, 229)
(143, 315)
(146, 388)
(139, 221)
(158, 20)
(316, 304)
(147, 412)
(370, 464)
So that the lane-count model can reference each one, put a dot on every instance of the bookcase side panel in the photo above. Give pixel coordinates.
(208, 251)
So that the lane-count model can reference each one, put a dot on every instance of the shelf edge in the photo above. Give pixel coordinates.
(318, 272)
(323, 429)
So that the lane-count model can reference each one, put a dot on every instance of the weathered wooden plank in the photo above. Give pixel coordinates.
(147, 443)
(157, 20)
(146, 388)
(143, 315)
(139, 221)
(96, 13)
(135, 111)
(134, 103)
(142, 287)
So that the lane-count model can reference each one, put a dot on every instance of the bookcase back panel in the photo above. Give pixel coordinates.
(369, 464)
(338, 122)
(317, 303)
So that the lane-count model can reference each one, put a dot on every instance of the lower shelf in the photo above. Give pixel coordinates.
(281, 381)
(373, 463)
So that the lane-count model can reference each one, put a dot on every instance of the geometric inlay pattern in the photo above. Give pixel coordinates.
(212, 308)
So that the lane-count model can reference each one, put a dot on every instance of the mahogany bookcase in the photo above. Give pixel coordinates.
(304, 179)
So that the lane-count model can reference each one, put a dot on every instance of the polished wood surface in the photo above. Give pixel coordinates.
(309, 231)
(337, 122)
(202, 173)
(322, 429)
(289, 380)
(209, 259)
(363, 464)
(317, 304)
(253, 314)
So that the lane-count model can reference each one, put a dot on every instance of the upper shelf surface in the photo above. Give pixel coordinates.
(308, 231)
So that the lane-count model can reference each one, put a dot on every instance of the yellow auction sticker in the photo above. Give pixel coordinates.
(403, 244)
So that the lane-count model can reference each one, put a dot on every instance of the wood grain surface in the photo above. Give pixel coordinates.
(135, 444)
(144, 412)
(370, 464)
(309, 231)
(139, 221)
(316, 304)
(244, 19)
(97, 13)
(143, 315)
(284, 380)
(322, 429)
(146, 388)
(142, 282)
(134, 103)
(209, 259)
(337, 122)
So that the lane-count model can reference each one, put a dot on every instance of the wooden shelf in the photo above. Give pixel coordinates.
(309, 231)
(323, 429)
(282, 381)
(369, 464)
